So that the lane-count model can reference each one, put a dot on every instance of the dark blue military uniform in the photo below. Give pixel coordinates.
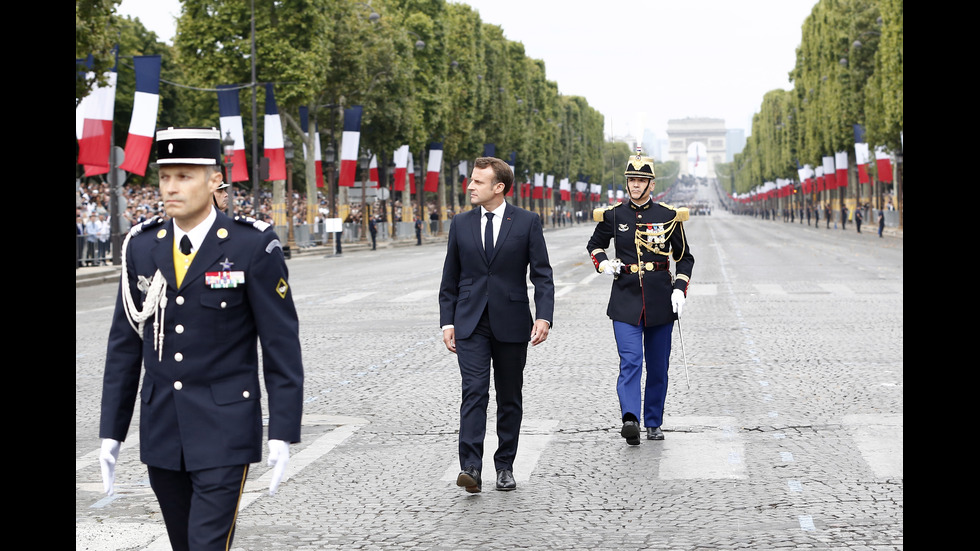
(200, 401)
(646, 237)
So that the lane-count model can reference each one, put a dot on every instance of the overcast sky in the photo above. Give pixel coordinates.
(640, 62)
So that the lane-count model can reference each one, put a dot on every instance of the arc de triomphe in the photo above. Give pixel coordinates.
(709, 134)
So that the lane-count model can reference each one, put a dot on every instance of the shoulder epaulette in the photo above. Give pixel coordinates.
(249, 221)
(683, 213)
(138, 228)
(597, 212)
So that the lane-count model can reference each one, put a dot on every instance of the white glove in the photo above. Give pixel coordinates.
(677, 302)
(278, 459)
(107, 459)
(610, 267)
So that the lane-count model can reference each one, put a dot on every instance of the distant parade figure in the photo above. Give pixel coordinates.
(198, 291)
(646, 298)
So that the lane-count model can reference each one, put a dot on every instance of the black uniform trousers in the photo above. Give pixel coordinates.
(475, 354)
(199, 507)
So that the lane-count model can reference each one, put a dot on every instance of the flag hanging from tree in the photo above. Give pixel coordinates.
(231, 121)
(146, 104)
(273, 142)
(93, 126)
(434, 167)
(401, 167)
(350, 144)
(883, 161)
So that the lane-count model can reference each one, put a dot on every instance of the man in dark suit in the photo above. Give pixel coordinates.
(198, 292)
(485, 314)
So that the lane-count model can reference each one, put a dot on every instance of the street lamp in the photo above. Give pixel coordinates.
(228, 147)
(289, 152)
(329, 156)
(365, 167)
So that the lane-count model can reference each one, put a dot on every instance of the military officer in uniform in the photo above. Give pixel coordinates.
(221, 197)
(646, 297)
(198, 292)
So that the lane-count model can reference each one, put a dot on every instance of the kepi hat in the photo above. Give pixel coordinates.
(189, 146)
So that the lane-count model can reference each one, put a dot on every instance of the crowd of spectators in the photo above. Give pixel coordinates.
(141, 203)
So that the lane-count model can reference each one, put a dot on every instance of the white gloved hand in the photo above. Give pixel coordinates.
(278, 459)
(107, 460)
(677, 302)
(610, 267)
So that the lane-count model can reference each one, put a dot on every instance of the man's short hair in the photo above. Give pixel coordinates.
(501, 171)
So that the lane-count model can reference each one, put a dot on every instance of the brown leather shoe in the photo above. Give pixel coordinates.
(469, 479)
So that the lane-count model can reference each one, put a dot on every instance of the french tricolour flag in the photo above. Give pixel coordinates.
(349, 144)
(401, 164)
(829, 172)
(231, 121)
(146, 103)
(273, 142)
(411, 173)
(840, 160)
(433, 168)
(861, 157)
(884, 163)
(93, 127)
(373, 171)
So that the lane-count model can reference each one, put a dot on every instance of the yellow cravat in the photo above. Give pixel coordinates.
(181, 263)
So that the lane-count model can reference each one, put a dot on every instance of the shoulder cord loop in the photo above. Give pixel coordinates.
(154, 304)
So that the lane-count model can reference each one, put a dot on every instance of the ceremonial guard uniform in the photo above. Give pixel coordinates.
(646, 297)
(193, 323)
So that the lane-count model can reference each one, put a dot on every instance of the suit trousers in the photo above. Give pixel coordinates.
(475, 355)
(635, 342)
(199, 507)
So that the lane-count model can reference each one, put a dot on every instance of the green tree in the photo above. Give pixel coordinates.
(95, 35)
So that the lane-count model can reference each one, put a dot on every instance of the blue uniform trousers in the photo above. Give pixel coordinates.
(634, 342)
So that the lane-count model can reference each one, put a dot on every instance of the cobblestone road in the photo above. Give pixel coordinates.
(788, 436)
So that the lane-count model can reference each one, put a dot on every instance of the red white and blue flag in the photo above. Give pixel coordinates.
(349, 146)
(146, 104)
(433, 168)
(861, 157)
(373, 171)
(840, 161)
(401, 164)
(884, 163)
(273, 142)
(829, 172)
(93, 126)
(411, 173)
(231, 121)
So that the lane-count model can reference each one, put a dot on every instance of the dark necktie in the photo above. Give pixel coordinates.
(488, 236)
(185, 245)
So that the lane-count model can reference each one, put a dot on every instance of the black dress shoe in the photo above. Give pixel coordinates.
(631, 432)
(654, 433)
(505, 480)
(469, 478)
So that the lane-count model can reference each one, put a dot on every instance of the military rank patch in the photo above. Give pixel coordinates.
(224, 280)
(273, 245)
(282, 288)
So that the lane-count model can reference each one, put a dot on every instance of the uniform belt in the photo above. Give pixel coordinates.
(646, 267)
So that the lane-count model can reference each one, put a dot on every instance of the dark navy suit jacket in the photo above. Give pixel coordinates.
(471, 283)
(202, 401)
